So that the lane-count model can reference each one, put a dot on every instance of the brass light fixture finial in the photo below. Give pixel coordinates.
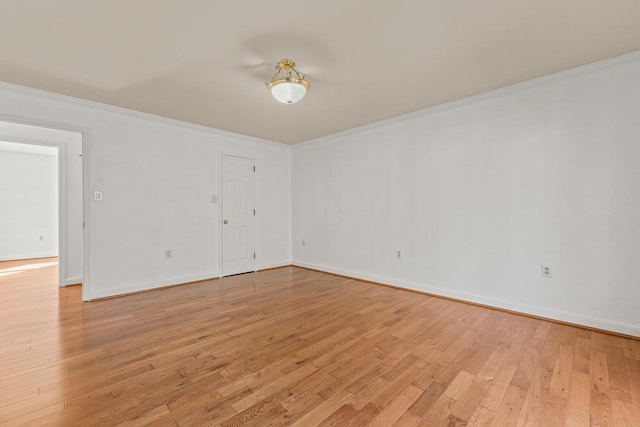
(290, 88)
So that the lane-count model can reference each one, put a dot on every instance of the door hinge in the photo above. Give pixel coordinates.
(254, 255)
(254, 211)
(254, 168)
(83, 225)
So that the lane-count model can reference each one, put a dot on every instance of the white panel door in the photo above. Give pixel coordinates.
(238, 215)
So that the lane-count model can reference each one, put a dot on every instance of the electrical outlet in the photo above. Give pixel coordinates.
(97, 196)
(167, 253)
(546, 271)
(398, 254)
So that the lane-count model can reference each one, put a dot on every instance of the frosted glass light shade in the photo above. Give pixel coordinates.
(288, 92)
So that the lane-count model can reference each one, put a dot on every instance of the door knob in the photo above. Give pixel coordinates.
(226, 222)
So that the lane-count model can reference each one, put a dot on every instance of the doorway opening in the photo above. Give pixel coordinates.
(41, 219)
(29, 194)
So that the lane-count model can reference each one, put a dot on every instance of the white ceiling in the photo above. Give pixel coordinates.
(206, 61)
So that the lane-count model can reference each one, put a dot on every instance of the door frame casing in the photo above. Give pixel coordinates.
(221, 154)
(62, 198)
(86, 190)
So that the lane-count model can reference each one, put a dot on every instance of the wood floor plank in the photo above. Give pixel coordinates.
(581, 355)
(494, 395)
(598, 341)
(538, 389)
(600, 405)
(509, 410)
(467, 402)
(407, 420)
(577, 413)
(368, 393)
(364, 416)
(555, 406)
(482, 417)
(439, 412)
(291, 346)
(635, 394)
(618, 379)
(427, 399)
(623, 414)
(389, 415)
(631, 348)
(324, 410)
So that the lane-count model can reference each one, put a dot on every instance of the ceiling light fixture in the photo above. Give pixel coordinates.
(288, 88)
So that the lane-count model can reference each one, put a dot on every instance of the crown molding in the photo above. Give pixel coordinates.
(549, 79)
(52, 96)
(496, 93)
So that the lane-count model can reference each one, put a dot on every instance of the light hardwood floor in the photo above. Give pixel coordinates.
(296, 347)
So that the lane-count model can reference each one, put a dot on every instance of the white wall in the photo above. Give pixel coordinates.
(70, 145)
(28, 203)
(157, 177)
(479, 193)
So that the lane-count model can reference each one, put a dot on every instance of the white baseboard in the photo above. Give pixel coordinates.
(73, 281)
(479, 299)
(112, 292)
(273, 265)
(29, 256)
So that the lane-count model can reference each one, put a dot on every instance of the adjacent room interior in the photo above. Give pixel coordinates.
(29, 220)
(339, 214)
